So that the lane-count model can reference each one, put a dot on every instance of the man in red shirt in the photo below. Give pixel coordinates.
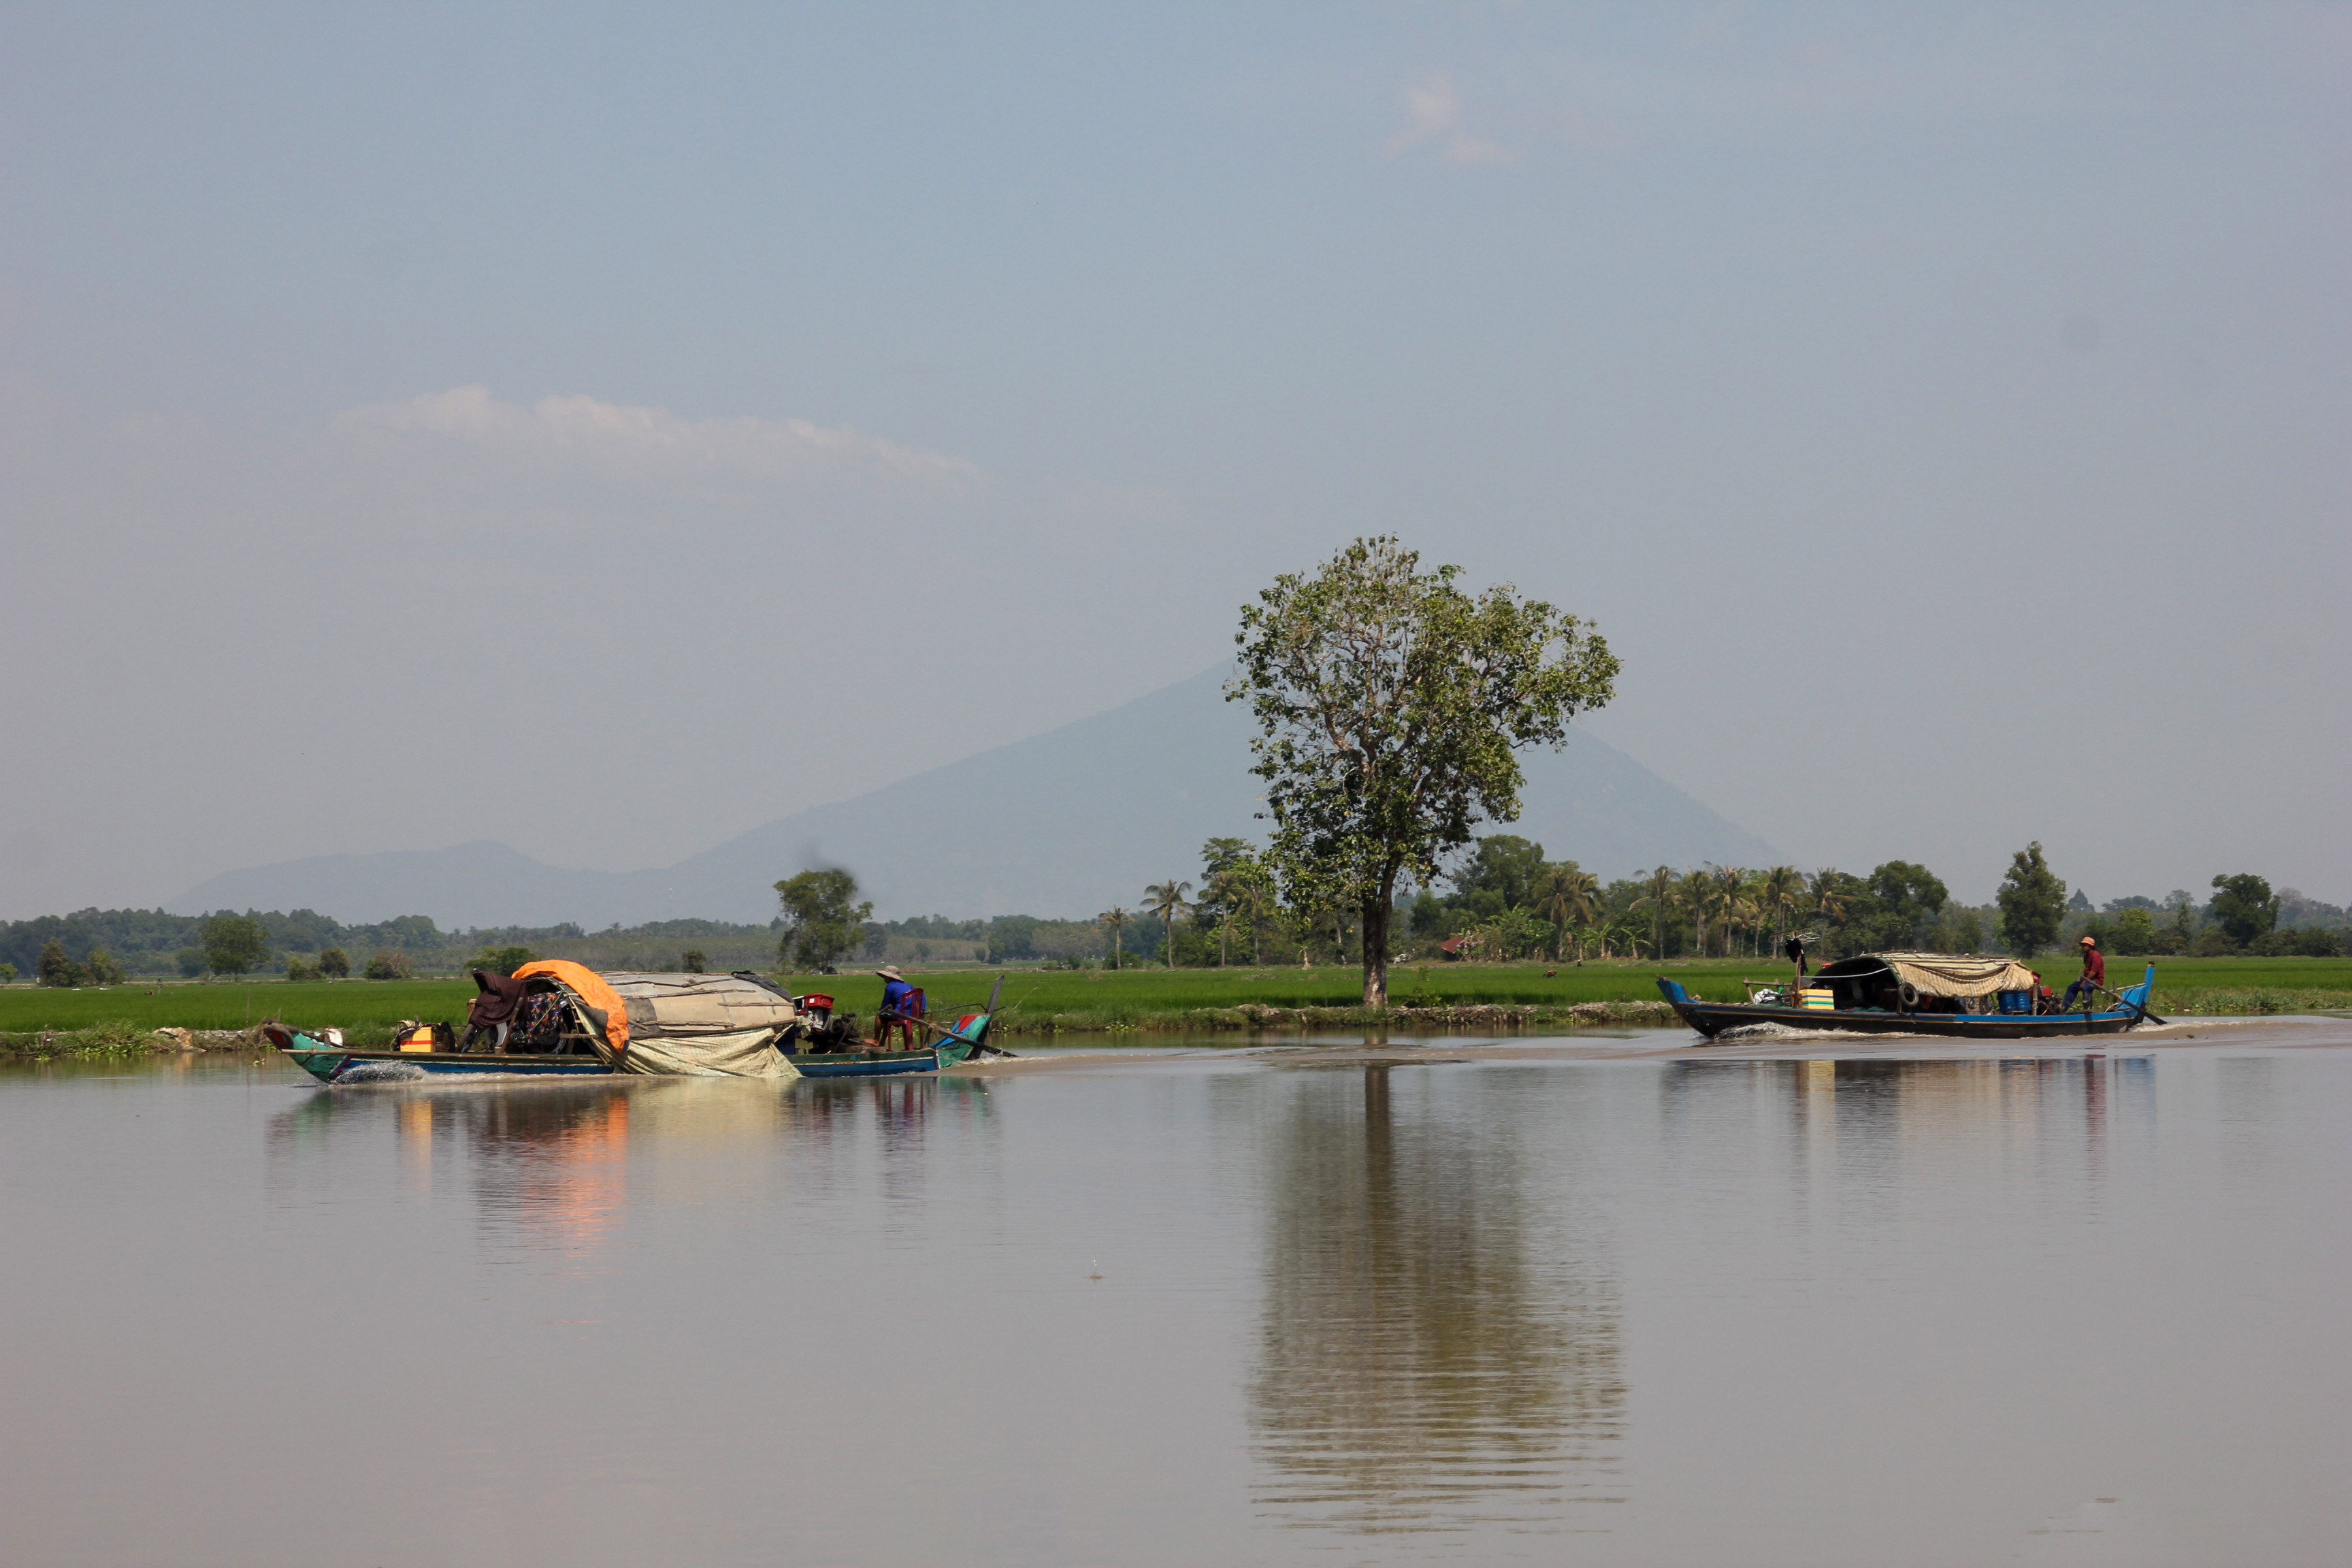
(2095, 974)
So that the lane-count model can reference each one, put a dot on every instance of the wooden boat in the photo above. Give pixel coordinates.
(1911, 993)
(332, 1062)
(555, 1018)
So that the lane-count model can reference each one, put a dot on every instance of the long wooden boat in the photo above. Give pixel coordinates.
(575, 1023)
(1882, 1001)
(331, 1063)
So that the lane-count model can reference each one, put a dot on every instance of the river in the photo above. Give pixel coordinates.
(1598, 1300)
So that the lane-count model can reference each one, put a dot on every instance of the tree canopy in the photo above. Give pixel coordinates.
(2243, 906)
(234, 945)
(2032, 903)
(1390, 705)
(822, 920)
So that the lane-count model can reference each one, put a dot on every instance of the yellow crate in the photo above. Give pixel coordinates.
(1826, 1000)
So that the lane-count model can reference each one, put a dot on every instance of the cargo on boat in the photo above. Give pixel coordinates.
(1914, 993)
(557, 1019)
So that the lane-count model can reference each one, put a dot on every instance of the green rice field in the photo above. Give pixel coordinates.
(1155, 999)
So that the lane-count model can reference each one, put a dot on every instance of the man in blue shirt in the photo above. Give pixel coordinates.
(901, 1004)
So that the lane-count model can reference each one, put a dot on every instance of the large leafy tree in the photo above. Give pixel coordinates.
(2243, 906)
(823, 918)
(1390, 705)
(1909, 898)
(2032, 903)
(54, 968)
(234, 945)
(1504, 872)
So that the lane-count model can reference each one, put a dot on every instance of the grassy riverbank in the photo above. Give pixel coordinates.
(1039, 1002)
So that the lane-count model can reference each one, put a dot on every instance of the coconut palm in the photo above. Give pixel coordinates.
(1829, 897)
(1565, 897)
(1658, 893)
(1728, 883)
(1116, 917)
(1777, 893)
(1167, 900)
(1254, 897)
(1694, 892)
(1220, 892)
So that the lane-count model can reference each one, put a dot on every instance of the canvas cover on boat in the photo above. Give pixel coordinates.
(590, 987)
(693, 1025)
(1941, 973)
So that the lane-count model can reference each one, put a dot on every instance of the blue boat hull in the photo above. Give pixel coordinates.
(331, 1064)
(864, 1064)
(1712, 1018)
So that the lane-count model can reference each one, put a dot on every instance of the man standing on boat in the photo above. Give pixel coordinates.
(2095, 975)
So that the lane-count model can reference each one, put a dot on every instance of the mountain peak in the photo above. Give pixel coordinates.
(1062, 824)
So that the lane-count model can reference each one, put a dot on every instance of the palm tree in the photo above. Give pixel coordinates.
(1115, 917)
(1235, 887)
(1695, 892)
(1777, 894)
(1659, 894)
(1255, 892)
(1629, 932)
(1564, 897)
(1728, 883)
(1829, 899)
(1167, 900)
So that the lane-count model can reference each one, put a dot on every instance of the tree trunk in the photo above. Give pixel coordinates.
(1374, 937)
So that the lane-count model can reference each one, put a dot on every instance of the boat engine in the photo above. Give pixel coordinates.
(821, 1030)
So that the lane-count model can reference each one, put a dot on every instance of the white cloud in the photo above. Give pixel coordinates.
(621, 441)
(1432, 113)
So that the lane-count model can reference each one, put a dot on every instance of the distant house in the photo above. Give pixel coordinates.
(1466, 946)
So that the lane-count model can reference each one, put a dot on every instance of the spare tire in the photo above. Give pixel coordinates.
(1909, 993)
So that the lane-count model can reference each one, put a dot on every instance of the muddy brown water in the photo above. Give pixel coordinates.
(1603, 1300)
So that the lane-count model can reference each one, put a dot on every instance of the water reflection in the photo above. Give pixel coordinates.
(548, 1167)
(1419, 1366)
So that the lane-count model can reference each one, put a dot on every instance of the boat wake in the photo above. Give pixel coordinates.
(1747, 1033)
(382, 1072)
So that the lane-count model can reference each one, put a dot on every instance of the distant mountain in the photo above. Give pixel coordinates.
(1062, 824)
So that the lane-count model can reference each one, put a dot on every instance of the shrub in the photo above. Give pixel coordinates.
(56, 969)
(2135, 931)
(2317, 942)
(692, 960)
(389, 966)
(296, 970)
(103, 968)
(335, 963)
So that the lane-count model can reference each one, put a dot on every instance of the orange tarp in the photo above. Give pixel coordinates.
(590, 987)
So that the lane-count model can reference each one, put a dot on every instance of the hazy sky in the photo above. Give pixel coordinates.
(606, 429)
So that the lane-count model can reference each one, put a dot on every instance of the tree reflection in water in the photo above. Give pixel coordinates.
(1426, 1362)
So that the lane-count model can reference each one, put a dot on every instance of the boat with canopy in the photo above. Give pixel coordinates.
(1962, 997)
(557, 1019)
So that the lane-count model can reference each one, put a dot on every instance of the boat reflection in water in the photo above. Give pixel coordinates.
(1440, 1343)
(553, 1167)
